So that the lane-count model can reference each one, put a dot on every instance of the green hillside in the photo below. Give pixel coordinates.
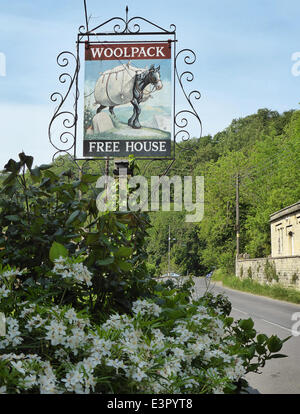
(264, 150)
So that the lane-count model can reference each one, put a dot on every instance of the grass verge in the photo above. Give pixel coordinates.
(248, 285)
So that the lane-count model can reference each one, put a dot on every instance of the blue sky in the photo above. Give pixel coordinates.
(243, 49)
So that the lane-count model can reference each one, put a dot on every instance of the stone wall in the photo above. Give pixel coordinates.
(285, 270)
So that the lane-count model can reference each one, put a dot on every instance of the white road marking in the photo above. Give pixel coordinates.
(245, 313)
(271, 323)
(276, 324)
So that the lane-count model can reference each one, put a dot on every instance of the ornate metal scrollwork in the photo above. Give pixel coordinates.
(120, 26)
(65, 141)
(183, 117)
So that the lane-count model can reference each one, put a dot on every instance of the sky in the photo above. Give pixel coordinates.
(244, 52)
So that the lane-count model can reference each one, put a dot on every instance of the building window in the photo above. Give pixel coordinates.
(280, 238)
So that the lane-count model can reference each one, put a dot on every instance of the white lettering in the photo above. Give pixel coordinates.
(143, 52)
(92, 145)
(100, 146)
(155, 146)
(134, 51)
(118, 52)
(151, 54)
(159, 51)
(108, 53)
(138, 146)
(97, 53)
(129, 146)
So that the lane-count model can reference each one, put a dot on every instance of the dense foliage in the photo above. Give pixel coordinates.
(40, 207)
(83, 314)
(263, 150)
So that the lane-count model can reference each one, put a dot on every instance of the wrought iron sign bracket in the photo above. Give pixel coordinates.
(66, 119)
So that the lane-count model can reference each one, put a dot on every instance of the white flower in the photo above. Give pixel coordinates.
(3, 389)
(62, 355)
(76, 271)
(34, 322)
(27, 311)
(47, 384)
(71, 315)
(56, 332)
(73, 379)
(77, 340)
(9, 274)
(30, 381)
(138, 375)
(102, 346)
(18, 366)
(115, 363)
(144, 307)
(90, 383)
(4, 292)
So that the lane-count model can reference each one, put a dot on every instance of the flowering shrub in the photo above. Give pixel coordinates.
(171, 344)
(47, 206)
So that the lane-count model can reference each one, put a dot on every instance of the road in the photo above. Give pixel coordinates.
(272, 317)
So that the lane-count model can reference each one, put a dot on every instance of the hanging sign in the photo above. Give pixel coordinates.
(128, 106)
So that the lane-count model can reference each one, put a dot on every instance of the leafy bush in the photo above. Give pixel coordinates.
(167, 345)
(39, 208)
(82, 314)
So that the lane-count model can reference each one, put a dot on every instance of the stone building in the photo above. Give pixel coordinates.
(283, 265)
(285, 231)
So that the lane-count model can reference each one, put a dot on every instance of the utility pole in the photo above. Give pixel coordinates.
(237, 209)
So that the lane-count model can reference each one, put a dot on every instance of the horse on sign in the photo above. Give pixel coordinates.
(125, 84)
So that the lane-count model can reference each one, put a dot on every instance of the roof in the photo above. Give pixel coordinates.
(285, 211)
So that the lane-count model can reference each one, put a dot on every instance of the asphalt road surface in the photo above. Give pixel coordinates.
(272, 317)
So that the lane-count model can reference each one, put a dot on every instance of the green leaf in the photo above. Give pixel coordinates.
(26, 159)
(45, 166)
(105, 262)
(35, 172)
(261, 349)
(13, 166)
(72, 217)
(125, 266)
(13, 218)
(50, 175)
(274, 343)
(10, 179)
(92, 238)
(246, 324)
(261, 338)
(124, 252)
(229, 321)
(57, 250)
(278, 356)
(89, 178)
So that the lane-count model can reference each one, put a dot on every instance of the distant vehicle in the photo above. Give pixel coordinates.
(209, 275)
(171, 274)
